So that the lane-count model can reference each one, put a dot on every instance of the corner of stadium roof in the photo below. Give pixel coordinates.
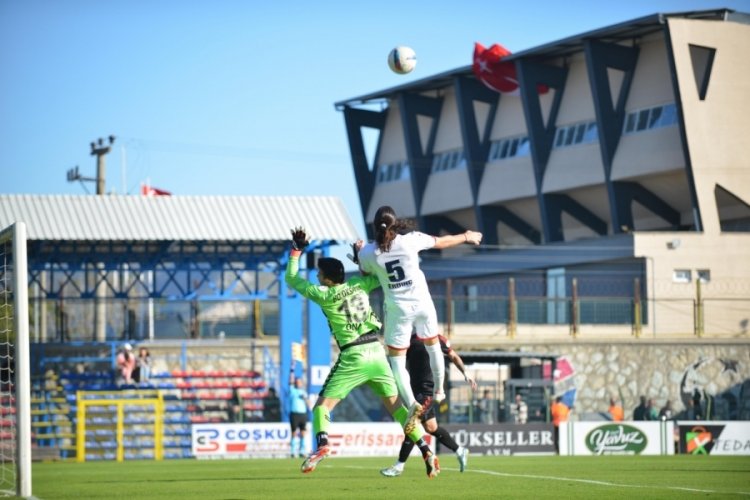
(634, 28)
(167, 233)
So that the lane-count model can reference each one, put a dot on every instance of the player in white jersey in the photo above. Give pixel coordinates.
(394, 258)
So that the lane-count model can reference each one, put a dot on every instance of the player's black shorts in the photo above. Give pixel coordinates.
(430, 411)
(298, 421)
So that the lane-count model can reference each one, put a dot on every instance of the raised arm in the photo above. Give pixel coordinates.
(452, 240)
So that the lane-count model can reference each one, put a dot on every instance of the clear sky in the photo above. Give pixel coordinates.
(222, 97)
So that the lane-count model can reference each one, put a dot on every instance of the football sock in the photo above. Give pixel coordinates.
(437, 364)
(406, 448)
(321, 419)
(321, 439)
(294, 445)
(424, 448)
(445, 438)
(403, 381)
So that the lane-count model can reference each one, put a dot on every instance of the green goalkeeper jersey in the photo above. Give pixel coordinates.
(346, 306)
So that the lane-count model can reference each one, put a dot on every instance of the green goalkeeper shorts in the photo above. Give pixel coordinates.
(357, 365)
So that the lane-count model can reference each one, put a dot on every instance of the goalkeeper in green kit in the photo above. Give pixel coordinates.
(362, 359)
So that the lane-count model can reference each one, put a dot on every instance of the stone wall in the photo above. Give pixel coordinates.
(662, 371)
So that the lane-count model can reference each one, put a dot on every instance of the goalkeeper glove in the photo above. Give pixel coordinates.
(299, 239)
(354, 256)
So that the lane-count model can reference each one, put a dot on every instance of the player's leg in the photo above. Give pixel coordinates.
(321, 421)
(294, 441)
(398, 327)
(427, 329)
(346, 374)
(383, 384)
(443, 436)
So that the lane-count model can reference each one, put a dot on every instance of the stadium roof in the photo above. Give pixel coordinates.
(628, 30)
(170, 218)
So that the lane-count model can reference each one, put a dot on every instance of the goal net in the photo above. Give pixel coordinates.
(15, 421)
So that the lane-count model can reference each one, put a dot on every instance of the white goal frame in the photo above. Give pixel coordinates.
(16, 235)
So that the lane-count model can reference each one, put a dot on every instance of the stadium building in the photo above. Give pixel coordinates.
(613, 191)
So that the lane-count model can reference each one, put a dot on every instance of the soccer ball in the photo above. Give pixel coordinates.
(402, 60)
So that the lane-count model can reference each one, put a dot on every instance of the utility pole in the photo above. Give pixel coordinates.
(100, 150)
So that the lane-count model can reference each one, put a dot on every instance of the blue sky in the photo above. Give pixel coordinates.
(236, 97)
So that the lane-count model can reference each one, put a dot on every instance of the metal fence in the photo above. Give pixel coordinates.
(141, 319)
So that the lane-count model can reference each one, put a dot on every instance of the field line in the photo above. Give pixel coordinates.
(589, 481)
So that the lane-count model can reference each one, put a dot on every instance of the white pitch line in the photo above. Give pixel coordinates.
(588, 481)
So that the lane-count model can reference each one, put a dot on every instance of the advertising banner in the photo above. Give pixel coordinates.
(617, 438)
(504, 439)
(254, 440)
(714, 437)
(368, 439)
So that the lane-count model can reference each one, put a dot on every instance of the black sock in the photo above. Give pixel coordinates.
(445, 438)
(322, 439)
(406, 448)
(424, 448)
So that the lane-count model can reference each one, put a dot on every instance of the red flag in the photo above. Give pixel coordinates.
(147, 190)
(497, 74)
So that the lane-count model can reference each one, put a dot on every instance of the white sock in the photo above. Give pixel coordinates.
(438, 366)
(403, 380)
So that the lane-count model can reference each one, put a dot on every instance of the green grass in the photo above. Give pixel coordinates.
(608, 477)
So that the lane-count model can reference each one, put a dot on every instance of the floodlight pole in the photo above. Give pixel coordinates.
(100, 151)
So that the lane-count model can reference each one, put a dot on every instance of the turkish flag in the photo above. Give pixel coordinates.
(147, 190)
(494, 72)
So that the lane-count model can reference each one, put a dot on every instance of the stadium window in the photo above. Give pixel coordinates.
(435, 164)
(559, 137)
(592, 133)
(382, 173)
(642, 120)
(580, 130)
(461, 161)
(504, 149)
(405, 171)
(493, 151)
(682, 276)
(523, 147)
(704, 275)
(630, 123)
(569, 134)
(513, 148)
(653, 119)
(669, 115)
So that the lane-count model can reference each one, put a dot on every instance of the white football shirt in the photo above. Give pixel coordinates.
(398, 271)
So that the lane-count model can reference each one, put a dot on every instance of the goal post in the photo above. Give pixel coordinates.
(15, 376)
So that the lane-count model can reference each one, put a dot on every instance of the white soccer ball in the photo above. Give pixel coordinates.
(402, 60)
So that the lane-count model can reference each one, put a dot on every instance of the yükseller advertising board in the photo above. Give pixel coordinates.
(373, 439)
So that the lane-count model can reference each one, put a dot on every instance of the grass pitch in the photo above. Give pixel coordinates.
(609, 477)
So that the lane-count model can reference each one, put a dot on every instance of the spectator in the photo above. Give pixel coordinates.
(651, 412)
(666, 411)
(125, 365)
(691, 412)
(271, 406)
(559, 412)
(640, 411)
(520, 410)
(486, 407)
(142, 371)
(616, 413)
